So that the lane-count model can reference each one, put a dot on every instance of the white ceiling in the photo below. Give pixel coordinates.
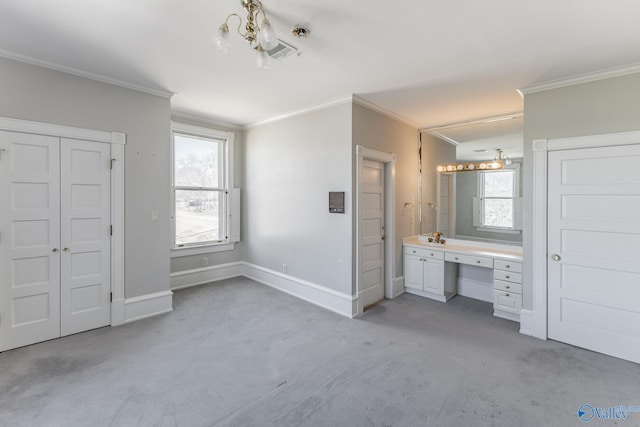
(431, 62)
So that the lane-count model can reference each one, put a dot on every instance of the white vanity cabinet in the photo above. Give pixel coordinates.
(424, 274)
(431, 270)
(507, 289)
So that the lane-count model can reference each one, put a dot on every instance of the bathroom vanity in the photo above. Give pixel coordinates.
(431, 270)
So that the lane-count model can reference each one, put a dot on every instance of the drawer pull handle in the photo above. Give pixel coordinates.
(507, 286)
(506, 276)
(432, 254)
(414, 252)
(456, 258)
(507, 266)
(478, 261)
(507, 294)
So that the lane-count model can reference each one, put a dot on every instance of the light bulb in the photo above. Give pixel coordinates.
(267, 35)
(507, 161)
(263, 61)
(460, 167)
(222, 39)
(440, 168)
(471, 166)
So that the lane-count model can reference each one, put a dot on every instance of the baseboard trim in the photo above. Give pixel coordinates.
(397, 287)
(118, 312)
(200, 276)
(526, 322)
(149, 305)
(315, 294)
(476, 290)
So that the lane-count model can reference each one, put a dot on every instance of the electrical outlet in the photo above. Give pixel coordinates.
(284, 268)
(205, 261)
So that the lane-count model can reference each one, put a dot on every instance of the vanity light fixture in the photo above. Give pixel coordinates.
(472, 166)
(264, 34)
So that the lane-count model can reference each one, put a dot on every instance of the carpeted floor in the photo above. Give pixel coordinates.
(237, 353)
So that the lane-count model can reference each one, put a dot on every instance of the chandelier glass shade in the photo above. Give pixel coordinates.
(261, 36)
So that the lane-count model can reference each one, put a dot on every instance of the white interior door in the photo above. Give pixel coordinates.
(594, 249)
(85, 241)
(371, 232)
(29, 239)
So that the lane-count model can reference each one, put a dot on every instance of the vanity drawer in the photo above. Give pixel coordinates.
(508, 276)
(426, 253)
(508, 265)
(507, 301)
(516, 288)
(469, 259)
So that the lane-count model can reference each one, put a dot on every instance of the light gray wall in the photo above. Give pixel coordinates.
(434, 152)
(216, 258)
(290, 166)
(382, 133)
(603, 106)
(33, 93)
(466, 190)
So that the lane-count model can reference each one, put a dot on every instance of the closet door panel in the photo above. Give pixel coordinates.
(85, 236)
(29, 239)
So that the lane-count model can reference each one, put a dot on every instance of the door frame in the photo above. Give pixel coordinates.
(535, 321)
(451, 176)
(117, 141)
(389, 162)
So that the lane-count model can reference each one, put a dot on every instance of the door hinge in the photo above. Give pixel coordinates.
(111, 164)
(110, 296)
(111, 230)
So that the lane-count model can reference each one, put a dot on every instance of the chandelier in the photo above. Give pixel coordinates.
(263, 36)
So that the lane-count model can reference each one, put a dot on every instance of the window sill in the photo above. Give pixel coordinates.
(498, 230)
(199, 250)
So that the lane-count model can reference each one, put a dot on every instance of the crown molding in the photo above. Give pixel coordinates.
(85, 74)
(504, 116)
(581, 78)
(375, 107)
(178, 114)
(299, 112)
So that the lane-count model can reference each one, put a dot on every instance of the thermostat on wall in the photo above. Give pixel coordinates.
(336, 201)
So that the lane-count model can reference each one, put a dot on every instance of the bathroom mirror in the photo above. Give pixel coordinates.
(484, 205)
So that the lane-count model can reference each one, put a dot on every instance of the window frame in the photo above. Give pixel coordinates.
(228, 150)
(479, 210)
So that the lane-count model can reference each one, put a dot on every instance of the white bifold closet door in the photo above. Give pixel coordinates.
(54, 237)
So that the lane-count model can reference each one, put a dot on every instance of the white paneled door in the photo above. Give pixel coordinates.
(372, 232)
(54, 237)
(594, 249)
(85, 215)
(29, 239)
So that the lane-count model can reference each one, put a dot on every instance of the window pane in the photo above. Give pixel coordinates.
(197, 162)
(197, 216)
(498, 184)
(498, 213)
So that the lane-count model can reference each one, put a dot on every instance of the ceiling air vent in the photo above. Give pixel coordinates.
(281, 51)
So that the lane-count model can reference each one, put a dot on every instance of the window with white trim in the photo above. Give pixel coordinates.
(203, 209)
(497, 207)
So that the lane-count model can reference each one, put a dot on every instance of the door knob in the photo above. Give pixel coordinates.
(66, 249)
(54, 250)
(555, 257)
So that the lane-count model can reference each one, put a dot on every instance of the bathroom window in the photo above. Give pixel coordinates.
(497, 207)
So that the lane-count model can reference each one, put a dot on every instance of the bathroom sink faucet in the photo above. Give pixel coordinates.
(436, 238)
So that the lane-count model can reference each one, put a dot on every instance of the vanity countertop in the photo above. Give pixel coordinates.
(493, 250)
